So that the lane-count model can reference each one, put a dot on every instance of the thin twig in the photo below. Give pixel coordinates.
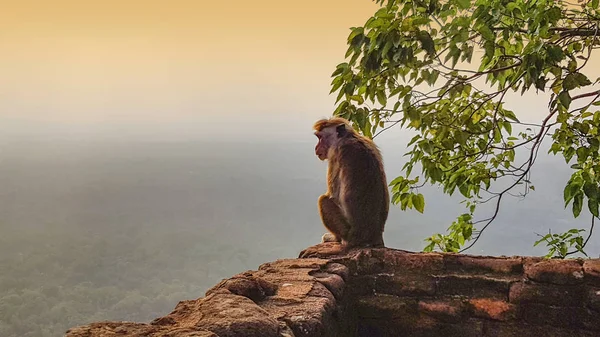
(586, 240)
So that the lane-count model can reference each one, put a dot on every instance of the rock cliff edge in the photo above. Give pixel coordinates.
(387, 292)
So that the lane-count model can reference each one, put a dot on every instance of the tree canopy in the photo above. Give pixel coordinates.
(444, 70)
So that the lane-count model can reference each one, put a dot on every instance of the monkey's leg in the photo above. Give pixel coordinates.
(333, 219)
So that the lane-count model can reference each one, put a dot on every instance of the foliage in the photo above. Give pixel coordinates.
(559, 244)
(60, 278)
(444, 70)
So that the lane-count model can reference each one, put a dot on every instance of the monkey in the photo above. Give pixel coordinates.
(355, 207)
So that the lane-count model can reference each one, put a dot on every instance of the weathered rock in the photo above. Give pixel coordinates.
(406, 284)
(473, 286)
(523, 329)
(558, 316)
(323, 250)
(111, 329)
(423, 326)
(230, 315)
(338, 269)
(594, 298)
(387, 292)
(591, 269)
(525, 293)
(334, 283)
(386, 306)
(114, 329)
(247, 285)
(474, 265)
(555, 271)
(492, 309)
(449, 311)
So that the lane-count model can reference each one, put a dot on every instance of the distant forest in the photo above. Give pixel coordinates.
(124, 232)
(93, 232)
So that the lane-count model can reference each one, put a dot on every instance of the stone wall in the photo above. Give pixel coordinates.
(387, 292)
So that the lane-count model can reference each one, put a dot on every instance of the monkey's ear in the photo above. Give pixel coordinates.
(341, 130)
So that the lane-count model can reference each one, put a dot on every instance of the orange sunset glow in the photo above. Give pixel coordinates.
(144, 62)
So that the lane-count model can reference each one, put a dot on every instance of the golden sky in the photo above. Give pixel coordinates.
(134, 61)
(149, 66)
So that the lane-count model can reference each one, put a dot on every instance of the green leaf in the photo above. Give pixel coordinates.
(418, 201)
(577, 204)
(436, 174)
(582, 80)
(570, 82)
(565, 99)
(426, 42)
(511, 115)
(429, 247)
(339, 96)
(356, 31)
(593, 207)
(396, 181)
(567, 195)
(372, 24)
(337, 83)
(396, 198)
(555, 54)
(590, 190)
(464, 4)
(381, 98)
(508, 127)
(486, 32)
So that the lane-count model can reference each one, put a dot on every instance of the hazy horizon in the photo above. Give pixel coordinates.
(149, 150)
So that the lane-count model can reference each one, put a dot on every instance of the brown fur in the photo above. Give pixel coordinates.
(356, 205)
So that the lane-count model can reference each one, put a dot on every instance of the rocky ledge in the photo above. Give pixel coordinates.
(387, 292)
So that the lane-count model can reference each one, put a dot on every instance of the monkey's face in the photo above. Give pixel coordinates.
(327, 138)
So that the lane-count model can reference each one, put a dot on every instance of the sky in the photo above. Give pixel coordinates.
(152, 69)
(137, 68)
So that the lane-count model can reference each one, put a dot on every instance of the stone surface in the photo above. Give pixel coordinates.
(473, 286)
(332, 291)
(485, 265)
(450, 311)
(247, 285)
(526, 293)
(594, 298)
(322, 250)
(385, 306)
(555, 271)
(419, 327)
(591, 270)
(557, 316)
(492, 309)
(522, 329)
(399, 285)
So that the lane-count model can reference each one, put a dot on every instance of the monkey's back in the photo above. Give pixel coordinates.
(363, 184)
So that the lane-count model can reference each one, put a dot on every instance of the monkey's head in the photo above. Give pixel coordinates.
(330, 132)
